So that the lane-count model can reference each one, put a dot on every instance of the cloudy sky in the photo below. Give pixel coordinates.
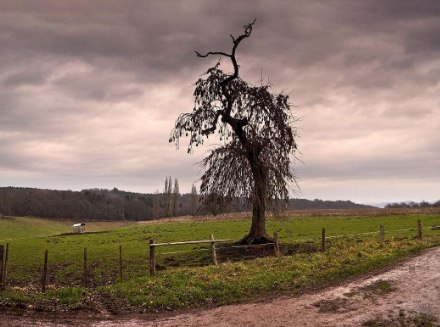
(89, 90)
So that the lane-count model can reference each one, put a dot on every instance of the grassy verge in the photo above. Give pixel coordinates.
(237, 282)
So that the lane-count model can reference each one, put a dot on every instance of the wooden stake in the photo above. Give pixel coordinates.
(276, 245)
(152, 258)
(85, 268)
(213, 251)
(5, 270)
(382, 233)
(44, 279)
(419, 229)
(323, 240)
(2, 253)
(120, 263)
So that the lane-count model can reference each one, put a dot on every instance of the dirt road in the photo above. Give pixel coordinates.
(412, 287)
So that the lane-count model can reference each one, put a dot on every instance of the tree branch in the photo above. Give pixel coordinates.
(212, 53)
(236, 124)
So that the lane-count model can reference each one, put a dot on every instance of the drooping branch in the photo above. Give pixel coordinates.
(213, 127)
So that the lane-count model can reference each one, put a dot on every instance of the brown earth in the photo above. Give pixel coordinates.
(412, 287)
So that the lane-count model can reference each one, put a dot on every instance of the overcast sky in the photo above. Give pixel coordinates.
(89, 90)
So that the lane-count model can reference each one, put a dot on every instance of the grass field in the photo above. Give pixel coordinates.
(14, 228)
(188, 280)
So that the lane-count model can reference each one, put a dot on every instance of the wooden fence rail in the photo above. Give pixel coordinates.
(190, 242)
(275, 244)
(153, 246)
(212, 242)
(381, 234)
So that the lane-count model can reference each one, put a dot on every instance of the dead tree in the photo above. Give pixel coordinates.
(256, 128)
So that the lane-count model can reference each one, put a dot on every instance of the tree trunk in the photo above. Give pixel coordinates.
(257, 233)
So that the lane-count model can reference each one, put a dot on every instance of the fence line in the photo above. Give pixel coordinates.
(212, 242)
(189, 242)
(348, 235)
(153, 246)
(275, 244)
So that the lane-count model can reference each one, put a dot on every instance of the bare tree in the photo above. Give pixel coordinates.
(256, 127)
(175, 198)
(169, 196)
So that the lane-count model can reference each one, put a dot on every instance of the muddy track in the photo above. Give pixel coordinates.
(412, 287)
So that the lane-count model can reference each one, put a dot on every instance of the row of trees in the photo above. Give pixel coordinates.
(171, 196)
(303, 204)
(411, 204)
(169, 203)
(97, 204)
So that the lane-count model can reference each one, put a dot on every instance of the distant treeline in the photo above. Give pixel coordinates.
(303, 204)
(422, 204)
(102, 204)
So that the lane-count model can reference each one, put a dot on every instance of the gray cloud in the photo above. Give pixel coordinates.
(90, 90)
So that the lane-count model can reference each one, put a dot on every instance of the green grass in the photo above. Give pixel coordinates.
(241, 281)
(188, 280)
(14, 228)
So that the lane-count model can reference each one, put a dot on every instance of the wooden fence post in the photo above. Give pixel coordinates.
(213, 251)
(323, 240)
(419, 229)
(382, 233)
(85, 268)
(152, 257)
(120, 263)
(44, 279)
(5, 270)
(2, 255)
(276, 244)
